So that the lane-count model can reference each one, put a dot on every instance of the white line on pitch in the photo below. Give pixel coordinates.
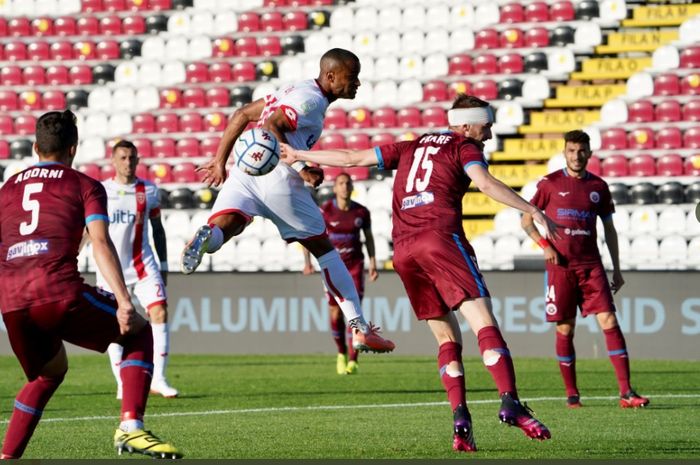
(344, 407)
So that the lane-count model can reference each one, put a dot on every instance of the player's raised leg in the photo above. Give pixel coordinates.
(223, 225)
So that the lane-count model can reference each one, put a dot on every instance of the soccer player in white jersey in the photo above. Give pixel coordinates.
(295, 115)
(132, 204)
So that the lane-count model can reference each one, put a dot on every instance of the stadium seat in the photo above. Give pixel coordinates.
(167, 123)
(690, 57)
(668, 111)
(244, 71)
(670, 165)
(359, 141)
(25, 124)
(460, 65)
(187, 147)
(21, 149)
(511, 63)
(199, 72)
(512, 13)
(17, 51)
(485, 90)
(641, 138)
(42, 26)
(615, 166)
(671, 193)
(208, 146)
(110, 25)
(643, 220)
(336, 118)
(690, 84)
(194, 97)
(666, 84)
(134, 25)
(4, 151)
(191, 122)
(54, 100)
(144, 147)
(8, 100)
(486, 64)
(163, 148)
(13, 75)
(144, 123)
(160, 173)
(214, 122)
(359, 118)
(594, 166)
(384, 118)
(644, 251)
(217, 72)
(217, 97)
(641, 111)
(91, 169)
(642, 165)
(184, 172)
(295, 21)
(487, 39)
(108, 50)
(691, 110)
(691, 138)
(88, 26)
(435, 91)
(19, 27)
(408, 117)
(562, 11)
(613, 139)
(65, 26)
(643, 193)
(536, 12)
(512, 38)
(671, 220)
(434, 117)
(691, 166)
(669, 138)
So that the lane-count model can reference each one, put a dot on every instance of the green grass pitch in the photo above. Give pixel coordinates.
(297, 407)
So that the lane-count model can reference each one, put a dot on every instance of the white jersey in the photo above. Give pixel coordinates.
(130, 209)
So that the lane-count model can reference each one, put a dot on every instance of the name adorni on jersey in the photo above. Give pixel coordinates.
(39, 173)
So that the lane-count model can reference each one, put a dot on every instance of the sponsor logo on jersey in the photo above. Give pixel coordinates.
(577, 232)
(308, 106)
(418, 200)
(595, 197)
(551, 309)
(122, 217)
(341, 236)
(564, 194)
(358, 222)
(334, 223)
(572, 213)
(29, 248)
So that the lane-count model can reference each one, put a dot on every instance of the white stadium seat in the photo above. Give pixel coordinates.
(693, 257)
(153, 48)
(177, 224)
(411, 67)
(291, 69)
(644, 252)
(150, 73)
(410, 92)
(672, 220)
(388, 43)
(437, 17)
(179, 23)
(225, 258)
(96, 124)
(487, 14)
(462, 16)
(199, 48)
(147, 98)
(364, 44)
(461, 40)
(413, 17)
(176, 48)
(225, 22)
(643, 220)
(342, 19)
(366, 19)
(202, 23)
(248, 254)
(120, 125)
(483, 248)
(436, 41)
(385, 93)
(692, 226)
(412, 41)
(673, 251)
(390, 18)
(273, 254)
(123, 99)
(507, 221)
(435, 65)
(100, 99)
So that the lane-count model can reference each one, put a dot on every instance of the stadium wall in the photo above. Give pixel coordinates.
(268, 313)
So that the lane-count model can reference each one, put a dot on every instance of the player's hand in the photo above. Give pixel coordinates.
(214, 173)
(287, 153)
(551, 256)
(617, 281)
(550, 227)
(373, 275)
(164, 277)
(308, 269)
(130, 322)
(313, 175)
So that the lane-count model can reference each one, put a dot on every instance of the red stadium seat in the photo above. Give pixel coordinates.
(690, 84)
(215, 122)
(332, 172)
(194, 97)
(594, 166)
(91, 6)
(167, 123)
(358, 173)
(65, 26)
(666, 84)
(270, 46)
(295, 21)
(458, 87)
(512, 38)
(691, 138)
(487, 39)
(80, 75)
(139, 5)
(25, 124)
(17, 51)
(12, 75)
(669, 138)
(460, 65)
(88, 26)
(160, 173)
(41, 51)
(332, 141)
(8, 100)
(536, 37)
(134, 25)
(187, 147)
(42, 27)
(641, 111)
(4, 149)
(170, 98)
(107, 172)
(58, 75)
(107, 50)
(184, 172)
(670, 165)
(143, 123)
(19, 27)
(62, 51)
(358, 141)
(435, 117)
(668, 111)
(29, 100)
(3, 27)
(244, 71)
(110, 25)
(359, 118)
(31, 76)
(223, 47)
(435, 91)
(384, 118)
(92, 170)
(690, 57)
(382, 138)
(536, 12)
(271, 21)
(642, 165)
(219, 72)
(191, 122)
(408, 117)
(160, 4)
(511, 63)
(114, 5)
(197, 72)
(691, 167)
(562, 11)
(613, 139)
(163, 148)
(54, 100)
(486, 90)
(615, 166)
(512, 13)
(486, 64)
(641, 138)
(691, 111)
(247, 47)
(144, 147)
(248, 22)
(208, 146)
(218, 97)
(336, 118)
(6, 125)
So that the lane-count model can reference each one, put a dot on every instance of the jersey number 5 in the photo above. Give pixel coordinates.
(32, 206)
(421, 157)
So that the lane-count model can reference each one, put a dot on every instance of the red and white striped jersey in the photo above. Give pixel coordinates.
(130, 209)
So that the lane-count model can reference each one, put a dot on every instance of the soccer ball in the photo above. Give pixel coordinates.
(257, 152)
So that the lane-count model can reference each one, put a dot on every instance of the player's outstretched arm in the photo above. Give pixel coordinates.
(215, 169)
(611, 240)
(345, 158)
(498, 191)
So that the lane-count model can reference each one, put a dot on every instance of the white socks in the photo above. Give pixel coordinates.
(129, 426)
(115, 352)
(161, 345)
(340, 284)
(216, 240)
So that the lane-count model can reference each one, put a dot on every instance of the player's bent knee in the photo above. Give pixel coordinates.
(491, 357)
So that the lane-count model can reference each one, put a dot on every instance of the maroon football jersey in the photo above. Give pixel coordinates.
(344, 228)
(575, 204)
(430, 181)
(44, 211)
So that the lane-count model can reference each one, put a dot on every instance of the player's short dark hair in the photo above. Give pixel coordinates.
(126, 144)
(578, 137)
(343, 174)
(337, 56)
(468, 101)
(56, 132)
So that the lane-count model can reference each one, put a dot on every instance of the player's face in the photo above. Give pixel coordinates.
(343, 187)
(576, 155)
(480, 132)
(125, 161)
(345, 81)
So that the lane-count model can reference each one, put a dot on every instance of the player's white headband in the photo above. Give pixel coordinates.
(477, 115)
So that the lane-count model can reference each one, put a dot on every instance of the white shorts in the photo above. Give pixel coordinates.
(280, 196)
(150, 291)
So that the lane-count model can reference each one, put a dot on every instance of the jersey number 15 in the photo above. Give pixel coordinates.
(421, 157)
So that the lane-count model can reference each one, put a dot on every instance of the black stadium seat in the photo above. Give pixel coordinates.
(20, 148)
(587, 9)
(620, 193)
(671, 193)
(163, 198)
(266, 70)
(204, 198)
(181, 199)
(561, 36)
(103, 73)
(508, 89)
(692, 193)
(292, 45)
(129, 49)
(76, 99)
(241, 95)
(643, 193)
(535, 62)
(182, 4)
(156, 24)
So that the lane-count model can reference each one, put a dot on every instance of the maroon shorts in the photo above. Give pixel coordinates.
(584, 286)
(357, 271)
(88, 320)
(439, 271)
